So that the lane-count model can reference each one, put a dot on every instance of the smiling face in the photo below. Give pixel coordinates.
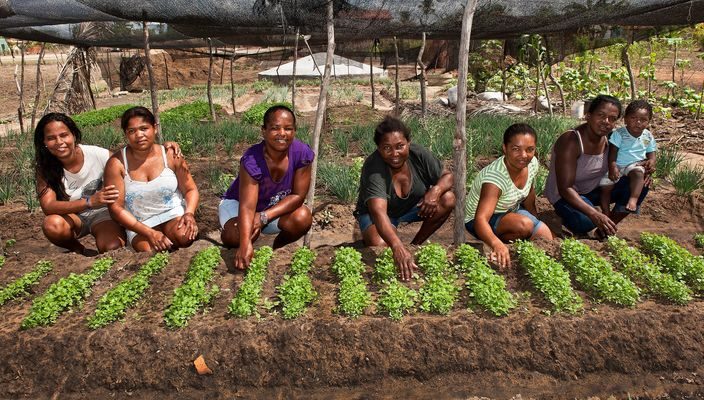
(393, 148)
(520, 150)
(603, 119)
(140, 134)
(59, 140)
(279, 131)
(637, 121)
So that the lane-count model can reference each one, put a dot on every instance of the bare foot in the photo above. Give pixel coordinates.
(632, 205)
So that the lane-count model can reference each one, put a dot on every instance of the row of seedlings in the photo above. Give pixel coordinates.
(549, 277)
(486, 287)
(645, 271)
(66, 293)
(19, 287)
(194, 293)
(596, 275)
(296, 291)
(114, 304)
(353, 296)
(675, 259)
(439, 292)
(395, 299)
(244, 304)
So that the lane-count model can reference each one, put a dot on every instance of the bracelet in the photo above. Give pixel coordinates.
(263, 218)
(88, 203)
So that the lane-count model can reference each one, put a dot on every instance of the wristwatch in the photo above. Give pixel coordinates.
(263, 218)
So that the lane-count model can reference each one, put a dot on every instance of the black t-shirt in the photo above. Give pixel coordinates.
(376, 182)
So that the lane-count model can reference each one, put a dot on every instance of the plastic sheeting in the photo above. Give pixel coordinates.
(265, 21)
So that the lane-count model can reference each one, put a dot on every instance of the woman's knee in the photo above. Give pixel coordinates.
(109, 244)
(448, 200)
(299, 221)
(230, 235)
(56, 227)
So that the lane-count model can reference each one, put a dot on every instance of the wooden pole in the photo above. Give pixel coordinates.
(108, 71)
(20, 88)
(35, 106)
(166, 67)
(371, 73)
(293, 78)
(222, 67)
(397, 105)
(626, 61)
(423, 97)
(552, 77)
(210, 79)
(503, 72)
(538, 74)
(460, 143)
(305, 40)
(320, 113)
(232, 80)
(152, 84)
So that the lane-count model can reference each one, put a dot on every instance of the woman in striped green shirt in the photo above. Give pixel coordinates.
(501, 201)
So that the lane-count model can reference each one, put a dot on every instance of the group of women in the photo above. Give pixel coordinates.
(144, 196)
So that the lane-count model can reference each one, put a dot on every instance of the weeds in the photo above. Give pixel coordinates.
(667, 161)
(686, 179)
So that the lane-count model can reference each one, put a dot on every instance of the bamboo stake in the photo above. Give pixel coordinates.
(397, 106)
(210, 79)
(423, 97)
(232, 80)
(222, 67)
(537, 77)
(460, 143)
(503, 72)
(320, 113)
(293, 79)
(39, 92)
(20, 88)
(152, 84)
(371, 73)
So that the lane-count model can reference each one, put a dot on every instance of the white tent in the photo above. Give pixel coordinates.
(305, 69)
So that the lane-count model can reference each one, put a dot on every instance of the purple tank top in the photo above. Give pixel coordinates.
(270, 192)
(590, 169)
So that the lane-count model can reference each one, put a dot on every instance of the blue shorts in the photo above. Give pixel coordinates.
(578, 222)
(496, 219)
(365, 220)
(228, 209)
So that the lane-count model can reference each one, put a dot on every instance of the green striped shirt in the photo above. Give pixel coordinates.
(497, 174)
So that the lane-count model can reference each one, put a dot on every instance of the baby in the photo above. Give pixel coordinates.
(631, 153)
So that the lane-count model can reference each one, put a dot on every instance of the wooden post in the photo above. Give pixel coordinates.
(222, 67)
(320, 113)
(626, 61)
(423, 97)
(460, 143)
(552, 77)
(397, 106)
(293, 78)
(305, 40)
(503, 72)
(538, 74)
(210, 79)
(20, 88)
(35, 106)
(232, 80)
(166, 67)
(152, 84)
(108, 71)
(371, 73)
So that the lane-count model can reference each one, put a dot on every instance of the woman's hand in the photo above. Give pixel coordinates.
(158, 241)
(603, 222)
(404, 261)
(188, 221)
(104, 196)
(429, 205)
(173, 146)
(244, 255)
(500, 255)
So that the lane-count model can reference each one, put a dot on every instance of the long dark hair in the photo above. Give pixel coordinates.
(48, 167)
(136, 112)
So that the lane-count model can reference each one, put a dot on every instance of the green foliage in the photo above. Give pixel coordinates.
(667, 161)
(596, 275)
(353, 297)
(297, 291)
(699, 240)
(2, 260)
(675, 259)
(99, 117)
(643, 270)
(384, 267)
(396, 299)
(105, 136)
(194, 294)
(245, 302)
(549, 277)
(439, 293)
(68, 292)
(342, 181)
(19, 287)
(485, 286)
(255, 114)
(189, 112)
(432, 259)
(114, 304)
(686, 179)
(262, 85)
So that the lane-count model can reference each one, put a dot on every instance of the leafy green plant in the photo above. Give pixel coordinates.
(395, 299)
(384, 267)
(596, 275)
(686, 179)
(194, 294)
(643, 270)
(699, 240)
(353, 296)
(194, 111)
(255, 114)
(68, 292)
(114, 304)
(486, 287)
(20, 286)
(439, 292)
(549, 277)
(245, 302)
(675, 259)
(99, 117)
(667, 161)
(297, 291)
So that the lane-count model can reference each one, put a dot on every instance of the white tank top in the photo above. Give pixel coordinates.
(156, 201)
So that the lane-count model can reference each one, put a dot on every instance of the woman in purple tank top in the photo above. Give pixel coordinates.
(579, 158)
(267, 196)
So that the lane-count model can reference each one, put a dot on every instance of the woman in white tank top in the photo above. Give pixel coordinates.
(158, 197)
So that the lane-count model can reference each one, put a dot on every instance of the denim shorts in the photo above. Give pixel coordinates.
(365, 220)
(496, 219)
(229, 209)
(578, 222)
